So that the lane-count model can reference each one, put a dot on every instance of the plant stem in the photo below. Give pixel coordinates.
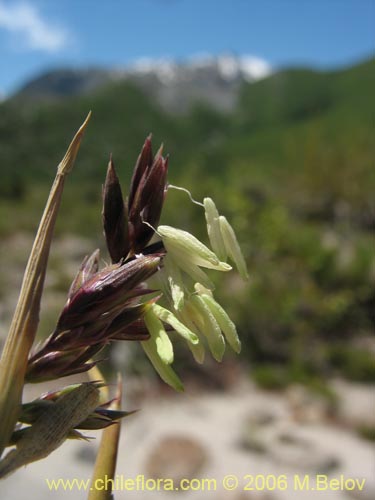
(105, 465)
(25, 321)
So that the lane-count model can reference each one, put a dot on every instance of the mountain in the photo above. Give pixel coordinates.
(312, 130)
(174, 85)
(275, 120)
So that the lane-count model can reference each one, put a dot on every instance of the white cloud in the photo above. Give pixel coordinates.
(36, 33)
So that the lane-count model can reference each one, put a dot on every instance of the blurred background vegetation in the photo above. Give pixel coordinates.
(292, 167)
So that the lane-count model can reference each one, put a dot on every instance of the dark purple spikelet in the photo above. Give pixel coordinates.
(144, 160)
(114, 216)
(106, 290)
(125, 326)
(124, 224)
(146, 196)
(89, 266)
(108, 305)
(101, 310)
(47, 364)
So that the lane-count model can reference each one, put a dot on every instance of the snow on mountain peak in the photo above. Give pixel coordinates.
(230, 66)
(249, 67)
(175, 84)
(254, 68)
(164, 68)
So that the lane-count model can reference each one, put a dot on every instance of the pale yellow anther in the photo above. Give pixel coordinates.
(232, 246)
(226, 324)
(157, 331)
(165, 371)
(175, 281)
(169, 318)
(213, 229)
(211, 329)
(189, 247)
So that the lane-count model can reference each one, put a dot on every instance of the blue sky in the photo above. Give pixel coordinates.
(36, 35)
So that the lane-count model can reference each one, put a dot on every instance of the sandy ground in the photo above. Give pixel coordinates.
(245, 432)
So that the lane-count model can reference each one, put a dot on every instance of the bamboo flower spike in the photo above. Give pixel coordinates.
(24, 325)
(112, 304)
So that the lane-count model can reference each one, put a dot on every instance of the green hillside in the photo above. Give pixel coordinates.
(293, 166)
